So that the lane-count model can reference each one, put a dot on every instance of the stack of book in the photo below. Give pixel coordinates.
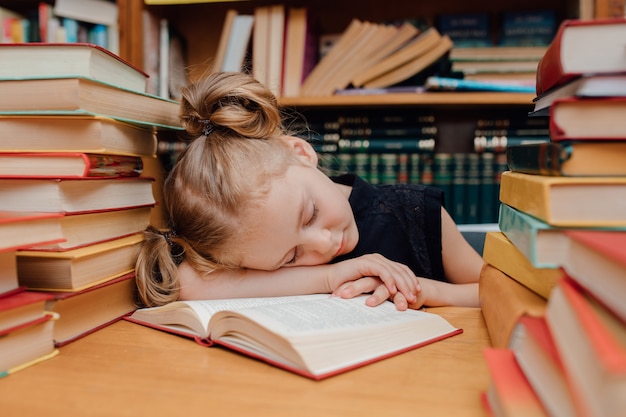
(79, 180)
(553, 286)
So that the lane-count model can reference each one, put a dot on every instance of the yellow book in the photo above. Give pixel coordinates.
(502, 254)
(503, 301)
(567, 201)
(80, 268)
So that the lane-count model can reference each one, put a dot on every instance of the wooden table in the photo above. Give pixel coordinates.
(129, 370)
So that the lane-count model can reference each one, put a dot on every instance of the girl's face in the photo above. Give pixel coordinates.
(305, 219)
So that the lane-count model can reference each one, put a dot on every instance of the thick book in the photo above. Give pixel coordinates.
(300, 50)
(78, 269)
(569, 158)
(22, 309)
(23, 229)
(592, 345)
(25, 61)
(580, 47)
(82, 229)
(509, 393)
(84, 312)
(27, 345)
(60, 133)
(597, 261)
(316, 336)
(74, 195)
(587, 118)
(68, 165)
(83, 96)
(566, 201)
(587, 85)
(413, 67)
(9, 283)
(503, 301)
(537, 355)
(502, 253)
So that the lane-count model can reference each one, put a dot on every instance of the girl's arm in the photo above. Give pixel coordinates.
(298, 280)
(461, 263)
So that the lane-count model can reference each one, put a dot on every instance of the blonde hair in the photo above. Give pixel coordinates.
(237, 146)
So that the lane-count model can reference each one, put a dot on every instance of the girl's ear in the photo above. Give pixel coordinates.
(303, 150)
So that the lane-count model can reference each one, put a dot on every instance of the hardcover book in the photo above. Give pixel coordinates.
(566, 201)
(569, 158)
(23, 229)
(77, 269)
(82, 96)
(574, 51)
(592, 345)
(502, 253)
(588, 118)
(64, 133)
(74, 195)
(83, 312)
(66, 60)
(316, 336)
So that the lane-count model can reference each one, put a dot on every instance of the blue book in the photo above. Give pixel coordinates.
(458, 84)
(466, 29)
(528, 28)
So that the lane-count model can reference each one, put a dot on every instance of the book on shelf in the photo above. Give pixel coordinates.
(387, 52)
(509, 393)
(596, 260)
(566, 201)
(22, 229)
(502, 253)
(86, 311)
(66, 60)
(238, 43)
(82, 229)
(260, 44)
(587, 118)
(64, 133)
(414, 67)
(300, 50)
(316, 336)
(68, 165)
(9, 283)
(503, 301)
(436, 83)
(569, 158)
(151, 51)
(497, 53)
(536, 354)
(477, 67)
(467, 30)
(74, 195)
(527, 27)
(587, 85)
(80, 268)
(92, 11)
(592, 345)
(574, 51)
(276, 45)
(419, 44)
(82, 96)
(222, 45)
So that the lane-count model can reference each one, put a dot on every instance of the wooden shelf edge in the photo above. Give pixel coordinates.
(431, 99)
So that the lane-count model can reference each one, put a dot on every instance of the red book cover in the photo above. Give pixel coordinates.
(574, 118)
(21, 310)
(21, 229)
(510, 394)
(599, 50)
(68, 165)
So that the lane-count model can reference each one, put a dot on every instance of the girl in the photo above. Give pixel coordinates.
(252, 215)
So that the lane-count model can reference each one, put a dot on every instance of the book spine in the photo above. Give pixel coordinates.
(550, 70)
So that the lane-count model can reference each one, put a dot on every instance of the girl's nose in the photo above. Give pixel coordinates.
(318, 240)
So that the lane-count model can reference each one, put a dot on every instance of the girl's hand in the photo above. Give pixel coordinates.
(396, 277)
(379, 293)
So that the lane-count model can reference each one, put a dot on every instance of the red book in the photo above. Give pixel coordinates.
(539, 359)
(68, 165)
(509, 393)
(588, 118)
(22, 310)
(592, 345)
(22, 229)
(582, 46)
(597, 261)
(83, 312)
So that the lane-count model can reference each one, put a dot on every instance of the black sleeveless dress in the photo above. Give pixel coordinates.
(401, 222)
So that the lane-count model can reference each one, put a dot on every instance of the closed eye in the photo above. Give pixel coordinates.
(313, 215)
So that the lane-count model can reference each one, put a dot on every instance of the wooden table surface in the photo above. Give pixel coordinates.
(129, 370)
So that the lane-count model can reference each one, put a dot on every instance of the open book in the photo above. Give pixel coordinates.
(316, 336)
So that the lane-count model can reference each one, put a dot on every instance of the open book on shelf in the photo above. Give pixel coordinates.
(316, 336)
